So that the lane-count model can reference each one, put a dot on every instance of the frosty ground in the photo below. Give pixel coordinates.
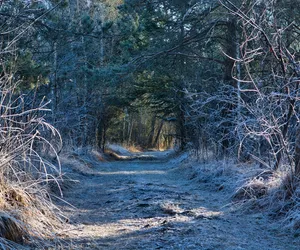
(160, 204)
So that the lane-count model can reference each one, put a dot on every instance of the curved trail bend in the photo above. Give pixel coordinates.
(154, 205)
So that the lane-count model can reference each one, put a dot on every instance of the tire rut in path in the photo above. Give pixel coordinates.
(149, 205)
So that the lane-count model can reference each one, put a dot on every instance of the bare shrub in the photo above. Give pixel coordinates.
(253, 189)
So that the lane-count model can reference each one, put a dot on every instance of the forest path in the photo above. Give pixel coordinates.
(154, 205)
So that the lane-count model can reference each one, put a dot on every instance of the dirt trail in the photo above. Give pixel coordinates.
(153, 205)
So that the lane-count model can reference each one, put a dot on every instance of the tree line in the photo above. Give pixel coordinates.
(217, 77)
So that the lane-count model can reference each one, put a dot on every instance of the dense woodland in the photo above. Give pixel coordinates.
(212, 76)
(219, 78)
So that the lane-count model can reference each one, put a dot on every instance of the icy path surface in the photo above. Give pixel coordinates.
(154, 205)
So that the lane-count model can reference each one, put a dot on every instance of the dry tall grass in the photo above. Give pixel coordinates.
(28, 164)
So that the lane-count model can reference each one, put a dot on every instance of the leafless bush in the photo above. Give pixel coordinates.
(267, 94)
(267, 73)
(213, 117)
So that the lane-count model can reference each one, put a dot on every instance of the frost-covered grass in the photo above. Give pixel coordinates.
(29, 165)
(250, 187)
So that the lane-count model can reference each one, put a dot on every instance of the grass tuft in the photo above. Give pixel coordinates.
(12, 229)
(253, 189)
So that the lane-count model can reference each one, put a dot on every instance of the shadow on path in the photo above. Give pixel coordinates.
(151, 205)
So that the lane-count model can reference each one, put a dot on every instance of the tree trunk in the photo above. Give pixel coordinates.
(104, 136)
(155, 144)
(230, 50)
(151, 134)
(181, 114)
(297, 153)
(182, 129)
(130, 129)
(54, 88)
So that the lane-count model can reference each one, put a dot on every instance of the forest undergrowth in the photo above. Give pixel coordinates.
(253, 188)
